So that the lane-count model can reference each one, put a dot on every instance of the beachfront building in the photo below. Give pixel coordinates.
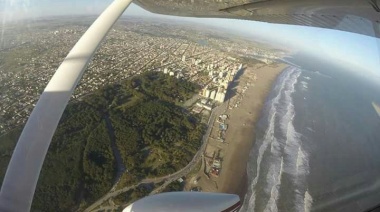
(217, 94)
(220, 95)
(220, 77)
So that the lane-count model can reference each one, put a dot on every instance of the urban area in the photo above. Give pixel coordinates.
(29, 58)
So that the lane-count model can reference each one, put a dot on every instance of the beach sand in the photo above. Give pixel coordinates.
(241, 128)
(240, 135)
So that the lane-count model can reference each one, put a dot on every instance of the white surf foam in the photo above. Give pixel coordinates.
(286, 154)
(310, 129)
(304, 85)
(296, 162)
(274, 194)
(308, 200)
(268, 139)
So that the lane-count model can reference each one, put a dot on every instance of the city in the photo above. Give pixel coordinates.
(208, 61)
(31, 58)
(189, 105)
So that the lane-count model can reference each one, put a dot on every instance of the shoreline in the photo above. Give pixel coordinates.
(242, 127)
(244, 102)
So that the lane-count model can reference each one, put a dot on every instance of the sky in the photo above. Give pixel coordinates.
(349, 48)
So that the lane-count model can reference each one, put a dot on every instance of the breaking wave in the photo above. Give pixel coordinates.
(279, 164)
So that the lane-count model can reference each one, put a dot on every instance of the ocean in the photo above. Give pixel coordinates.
(317, 145)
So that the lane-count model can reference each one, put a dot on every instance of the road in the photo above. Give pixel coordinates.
(168, 178)
(116, 153)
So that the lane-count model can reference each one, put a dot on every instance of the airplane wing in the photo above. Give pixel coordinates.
(357, 16)
(23, 171)
(187, 202)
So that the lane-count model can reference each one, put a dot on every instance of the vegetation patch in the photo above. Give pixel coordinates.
(154, 136)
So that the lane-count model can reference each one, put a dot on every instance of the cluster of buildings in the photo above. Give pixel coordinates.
(213, 165)
(214, 153)
(222, 127)
(32, 55)
(217, 88)
(219, 76)
(219, 81)
(216, 167)
(29, 61)
(31, 58)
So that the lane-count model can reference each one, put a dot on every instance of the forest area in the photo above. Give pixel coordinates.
(155, 136)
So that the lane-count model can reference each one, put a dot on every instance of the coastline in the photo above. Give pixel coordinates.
(244, 102)
(242, 124)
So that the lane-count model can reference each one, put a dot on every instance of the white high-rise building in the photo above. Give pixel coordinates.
(220, 95)
(221, 74)
(208, 92)
(213, 94)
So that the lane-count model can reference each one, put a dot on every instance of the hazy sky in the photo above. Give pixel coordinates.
(353, 49)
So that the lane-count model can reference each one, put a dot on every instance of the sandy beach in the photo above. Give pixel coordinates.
(241, 132)
(243, 106)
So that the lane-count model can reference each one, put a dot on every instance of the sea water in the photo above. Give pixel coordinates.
(317, 145)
